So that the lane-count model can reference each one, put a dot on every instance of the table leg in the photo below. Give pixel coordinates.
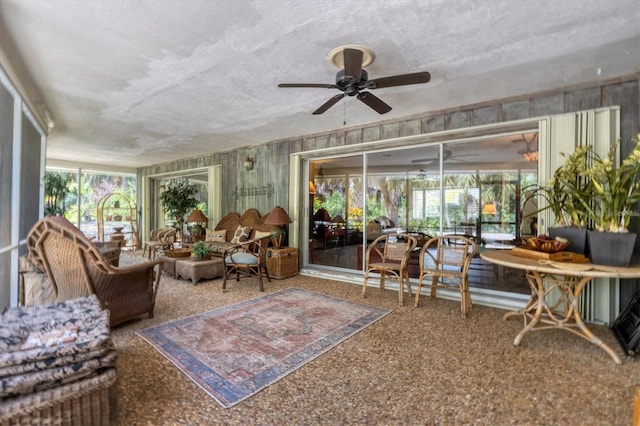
(537, 315)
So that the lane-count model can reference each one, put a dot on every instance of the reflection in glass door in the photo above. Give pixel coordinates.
(336, 211)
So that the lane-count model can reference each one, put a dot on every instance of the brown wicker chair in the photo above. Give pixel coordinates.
(76, 268)
(247, 259)
(446, 260)
(389, 255)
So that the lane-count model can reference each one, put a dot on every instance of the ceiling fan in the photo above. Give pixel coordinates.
(353, 80)
(448, 156)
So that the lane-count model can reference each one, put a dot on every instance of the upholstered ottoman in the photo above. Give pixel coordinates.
(195, 270)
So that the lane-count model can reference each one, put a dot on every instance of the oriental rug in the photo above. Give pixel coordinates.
(236, 351)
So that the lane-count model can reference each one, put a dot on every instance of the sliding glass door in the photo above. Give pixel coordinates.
(468, 187)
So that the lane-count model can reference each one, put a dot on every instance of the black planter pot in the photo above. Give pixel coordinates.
(611, 248)
(577, 237)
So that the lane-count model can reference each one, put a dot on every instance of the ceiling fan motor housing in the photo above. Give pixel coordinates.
(348, 84)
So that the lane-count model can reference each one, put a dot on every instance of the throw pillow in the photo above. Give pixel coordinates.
(242, 234)
(220, 236)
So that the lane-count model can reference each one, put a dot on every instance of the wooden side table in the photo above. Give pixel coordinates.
(282, 262)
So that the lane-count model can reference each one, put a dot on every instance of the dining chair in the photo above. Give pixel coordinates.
(247, 259)
(446, 260)
(389, 255)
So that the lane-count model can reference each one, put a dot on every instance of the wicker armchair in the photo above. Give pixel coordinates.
(76, 268)
(247, 259)
(159, 239)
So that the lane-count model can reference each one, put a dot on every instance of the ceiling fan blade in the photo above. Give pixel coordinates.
(424, 160)
(374, 102)
(318, 85)
(331, 102)
(399, 80)
(353, 63)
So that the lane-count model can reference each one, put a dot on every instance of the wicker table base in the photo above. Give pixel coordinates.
(195, 270)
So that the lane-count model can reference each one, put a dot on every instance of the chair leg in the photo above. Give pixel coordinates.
(434, 287)
(400, 289)
(364, 284)
(406, 276)
(415, 303)
(260, 278)
(224, 280)
(266, 272)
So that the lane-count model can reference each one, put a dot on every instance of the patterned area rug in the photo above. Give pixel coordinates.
(236, 351)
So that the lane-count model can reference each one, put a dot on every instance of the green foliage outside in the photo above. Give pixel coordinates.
(56, 190)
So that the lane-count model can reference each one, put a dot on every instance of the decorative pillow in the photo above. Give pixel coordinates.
(242, 234)
(261, 234)
(220, 236)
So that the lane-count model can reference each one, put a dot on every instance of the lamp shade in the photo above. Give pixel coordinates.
(338, 219)
(196, 216)
(489, 208)
(312, 187)
(278, 217)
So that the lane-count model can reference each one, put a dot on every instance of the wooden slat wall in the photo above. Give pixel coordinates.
(272, 159)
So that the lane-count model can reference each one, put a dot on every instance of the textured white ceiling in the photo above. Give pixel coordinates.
(154, 81)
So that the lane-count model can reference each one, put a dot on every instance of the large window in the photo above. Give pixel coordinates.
(86, 189)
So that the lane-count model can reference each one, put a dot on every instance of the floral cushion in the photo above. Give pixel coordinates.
(31, 360)
(36, 289)
(220, 235)
(242, 234)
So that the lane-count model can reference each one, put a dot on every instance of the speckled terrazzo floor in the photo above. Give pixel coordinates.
(416, 366)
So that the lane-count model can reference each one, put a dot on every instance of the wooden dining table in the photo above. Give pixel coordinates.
(569, 279)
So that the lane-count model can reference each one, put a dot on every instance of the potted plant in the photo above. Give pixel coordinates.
(201, 251)
(566, 196)
(607, 200)
(178, 199)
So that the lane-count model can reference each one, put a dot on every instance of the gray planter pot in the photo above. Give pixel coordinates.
(610, 248)
(577, 237)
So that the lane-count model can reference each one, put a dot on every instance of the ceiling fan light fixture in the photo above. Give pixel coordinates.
(530, 156)
(336, 57)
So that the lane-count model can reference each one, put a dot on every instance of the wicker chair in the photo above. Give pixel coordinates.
(76, 268)
(389, 255)
(159, 239)
(446, 260)
(247, 259)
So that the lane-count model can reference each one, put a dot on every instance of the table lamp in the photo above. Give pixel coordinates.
(196, 216)
(278, 217)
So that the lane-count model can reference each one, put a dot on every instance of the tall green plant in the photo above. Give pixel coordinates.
(178, 199)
